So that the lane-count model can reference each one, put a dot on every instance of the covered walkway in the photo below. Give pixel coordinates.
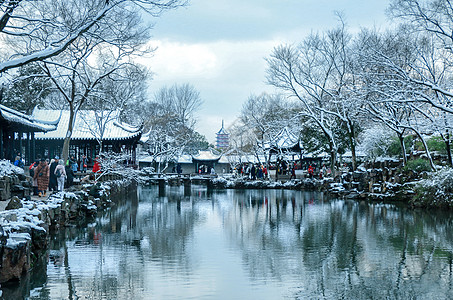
(17, 134)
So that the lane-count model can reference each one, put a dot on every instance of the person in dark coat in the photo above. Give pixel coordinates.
(33, 167)
(69, 175)
(84, 164)
(178, 169)
(53, 177)
(260, 172)
(253, 172)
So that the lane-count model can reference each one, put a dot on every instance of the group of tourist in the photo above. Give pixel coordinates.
(56, 174)
(258, 171)
(251, 171)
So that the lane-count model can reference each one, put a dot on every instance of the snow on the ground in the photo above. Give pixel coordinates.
(17, 222)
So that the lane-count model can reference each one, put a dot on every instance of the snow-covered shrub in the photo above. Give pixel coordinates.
(375, 141)
(435, 191)
(114, 164)
(220, 182)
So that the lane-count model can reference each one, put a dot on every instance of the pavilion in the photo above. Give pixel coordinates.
(18, 131)
(205, 160)
(284, 142)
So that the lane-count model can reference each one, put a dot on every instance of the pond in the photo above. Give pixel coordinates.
(248, 244)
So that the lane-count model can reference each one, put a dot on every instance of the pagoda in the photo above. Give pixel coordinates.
(222, 138)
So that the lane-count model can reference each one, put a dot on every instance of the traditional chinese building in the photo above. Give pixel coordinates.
(222, 138)
(18, 131)
(90, 129)
(284, 142)
(204, 161)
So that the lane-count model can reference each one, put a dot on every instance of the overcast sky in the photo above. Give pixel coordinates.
(219, 46)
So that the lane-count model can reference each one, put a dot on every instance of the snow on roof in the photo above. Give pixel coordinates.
(285, 139)
(358, 154)
(223, 160)
(206, 155)
(12, 115)
(317, 155)
(85, 126)
(183, 159)
(144, 138)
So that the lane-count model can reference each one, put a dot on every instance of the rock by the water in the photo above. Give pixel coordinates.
(14, 203)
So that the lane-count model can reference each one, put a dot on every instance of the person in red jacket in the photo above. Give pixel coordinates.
(96, 166)
(310, 171)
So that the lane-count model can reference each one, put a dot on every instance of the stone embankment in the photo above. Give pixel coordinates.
(379, 180)
(382, 179)
(26, 223)
(14, 185)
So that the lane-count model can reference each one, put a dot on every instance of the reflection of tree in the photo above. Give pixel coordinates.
(341, 248)
(310, 246)
(154, 233)
(159, 229)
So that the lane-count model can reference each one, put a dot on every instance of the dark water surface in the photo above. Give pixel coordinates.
(250, 244)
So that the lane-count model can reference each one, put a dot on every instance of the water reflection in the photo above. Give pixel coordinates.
(271, 244)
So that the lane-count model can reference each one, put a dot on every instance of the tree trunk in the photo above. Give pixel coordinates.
(100, 147)
(428, 154)
(448, 148)
(351, 134)
(333, 159)
(67, 140)
(403, 148)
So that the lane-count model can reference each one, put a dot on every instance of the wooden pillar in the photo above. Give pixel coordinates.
(134, 155)
(28, 158)
(11, 143)
(20, 143)
(33, 146)
(2, 153)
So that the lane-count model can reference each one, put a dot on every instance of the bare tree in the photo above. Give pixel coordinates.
(264, 116)
(181, 100)
(49, 27)
(398, 67)
(319, 74)
(380, 84)
(170, 121)
(112, 98)
(79, 71)
(431, 23)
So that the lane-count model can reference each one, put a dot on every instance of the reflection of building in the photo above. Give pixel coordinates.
(89, 129)
(222, 138)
